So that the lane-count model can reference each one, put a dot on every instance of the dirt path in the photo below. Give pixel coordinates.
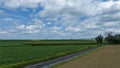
(108, 57)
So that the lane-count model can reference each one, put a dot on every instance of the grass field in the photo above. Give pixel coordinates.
(16, 53)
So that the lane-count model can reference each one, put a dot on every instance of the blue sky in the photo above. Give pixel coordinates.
(58, 19)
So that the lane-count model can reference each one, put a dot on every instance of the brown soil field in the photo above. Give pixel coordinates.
(109, 57)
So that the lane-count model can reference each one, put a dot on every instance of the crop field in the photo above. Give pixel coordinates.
(18, 53)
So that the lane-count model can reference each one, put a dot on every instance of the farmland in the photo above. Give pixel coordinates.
(18, 53)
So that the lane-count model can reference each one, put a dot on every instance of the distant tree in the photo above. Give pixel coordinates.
(110, 38)
(117, 38)
(113, 39)
(99, 39)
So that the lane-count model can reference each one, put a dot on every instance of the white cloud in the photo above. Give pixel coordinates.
(72, 7)
(114, 30)
(32, 31)
(31, 27)
(111, 24)
(68, 17)
(12, 31)
(21, 27)
(3, 32)
(36, 27)
(73, 29)
(90, 23)
(55, 29)
(7, 19)
(21, 3)
(106, 5)
(49, 23)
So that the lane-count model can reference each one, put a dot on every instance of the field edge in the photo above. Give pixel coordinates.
(55, 66)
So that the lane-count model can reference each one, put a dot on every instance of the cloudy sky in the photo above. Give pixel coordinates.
(58, 19)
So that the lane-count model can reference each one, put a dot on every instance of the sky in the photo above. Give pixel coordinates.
(58, 19)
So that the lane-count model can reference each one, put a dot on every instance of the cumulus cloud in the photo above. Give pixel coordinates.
(68, 17)
(21, 27)
(73, 29)
(35, 27)
(20, 3)
(7, 19)
(111, 24)
(55, 28)
(3, 32)
(72, 7)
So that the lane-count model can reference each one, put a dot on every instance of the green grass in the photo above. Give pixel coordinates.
(15, 54)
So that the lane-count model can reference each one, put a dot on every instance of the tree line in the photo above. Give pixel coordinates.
(109, 38)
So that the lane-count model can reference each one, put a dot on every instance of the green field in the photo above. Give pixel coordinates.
(16, 53)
